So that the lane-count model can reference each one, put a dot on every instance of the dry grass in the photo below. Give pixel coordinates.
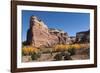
(28, 50)
(62, 47)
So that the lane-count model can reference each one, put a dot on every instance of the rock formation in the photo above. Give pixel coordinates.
(83, 37)
(72, 39)
(39, 35)
(61, 35)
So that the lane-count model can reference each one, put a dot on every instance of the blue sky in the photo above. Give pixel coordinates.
(66, 21)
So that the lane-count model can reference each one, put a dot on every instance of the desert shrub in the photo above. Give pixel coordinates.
(70, 47)
(58, 57)
(85, 46)
(29, 50)
(67, 57)
(64, 53)
(45, 50)
(80, 46)
(35, 56)
(62, 56)
(72, 51)
(76, 46)
(61, 47)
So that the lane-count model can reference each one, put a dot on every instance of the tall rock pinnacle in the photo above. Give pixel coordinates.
(39, 35)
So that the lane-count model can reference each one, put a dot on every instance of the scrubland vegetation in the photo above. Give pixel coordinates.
(57, 52)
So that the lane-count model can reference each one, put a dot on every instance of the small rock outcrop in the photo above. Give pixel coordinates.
(83, 37)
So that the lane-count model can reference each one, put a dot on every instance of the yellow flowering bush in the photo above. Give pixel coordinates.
(85, 46)
(28, 50)
(61, 47)
(76, 46)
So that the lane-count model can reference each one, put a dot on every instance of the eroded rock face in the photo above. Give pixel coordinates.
(61, 35)
(39, 35)
(83, 37)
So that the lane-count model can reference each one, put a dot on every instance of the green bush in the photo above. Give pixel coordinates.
(67, 57)
(63, 56)
(71, 51)
(35, 56)
(58, 57)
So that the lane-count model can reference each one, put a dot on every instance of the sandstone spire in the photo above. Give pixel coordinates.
(39, 35)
